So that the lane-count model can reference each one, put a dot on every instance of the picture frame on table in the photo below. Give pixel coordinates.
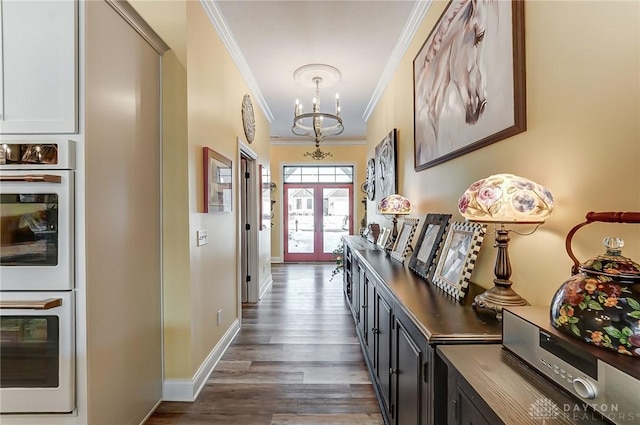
(402, 244)
(218, 181)
(383, 238)
(424, 256)
(472, 95)
(459, 253)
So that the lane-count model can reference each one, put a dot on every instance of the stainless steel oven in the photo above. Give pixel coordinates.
(37, 354)
(37, 298)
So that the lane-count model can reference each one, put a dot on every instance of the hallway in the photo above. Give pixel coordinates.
(296, 361)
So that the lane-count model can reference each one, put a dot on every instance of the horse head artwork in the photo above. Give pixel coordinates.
(450, 74)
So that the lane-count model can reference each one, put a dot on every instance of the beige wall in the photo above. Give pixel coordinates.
(122, 199)
(582, 141)
(293, 154)
(198, 112)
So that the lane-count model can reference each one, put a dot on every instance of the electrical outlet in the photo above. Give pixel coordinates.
(203, 238)
(219, 317)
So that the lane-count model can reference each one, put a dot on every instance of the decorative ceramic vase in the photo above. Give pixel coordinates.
(600, 304)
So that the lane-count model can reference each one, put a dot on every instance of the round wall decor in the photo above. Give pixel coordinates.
(248, 120)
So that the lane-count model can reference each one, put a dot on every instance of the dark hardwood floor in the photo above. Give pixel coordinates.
(296, 361)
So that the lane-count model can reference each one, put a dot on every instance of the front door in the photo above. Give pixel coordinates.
(316, 216)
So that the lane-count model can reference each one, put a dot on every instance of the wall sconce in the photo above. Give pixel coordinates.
(504, 199)
(394, 205)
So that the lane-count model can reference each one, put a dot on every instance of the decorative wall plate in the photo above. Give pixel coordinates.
(248, 120)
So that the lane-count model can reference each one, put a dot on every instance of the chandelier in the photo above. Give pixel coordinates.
(316, 124)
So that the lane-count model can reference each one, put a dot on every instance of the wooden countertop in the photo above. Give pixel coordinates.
(512, 389)
(439, 317)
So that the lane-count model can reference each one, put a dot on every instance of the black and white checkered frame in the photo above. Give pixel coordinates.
(400, 252)
(455, 280)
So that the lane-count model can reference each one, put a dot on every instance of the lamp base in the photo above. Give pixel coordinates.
(494, 299)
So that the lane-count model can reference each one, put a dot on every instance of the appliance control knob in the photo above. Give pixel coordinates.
(584, 388)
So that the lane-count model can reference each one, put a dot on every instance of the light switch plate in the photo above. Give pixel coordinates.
(203, 239)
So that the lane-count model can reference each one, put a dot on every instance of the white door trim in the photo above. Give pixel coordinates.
(253, 220)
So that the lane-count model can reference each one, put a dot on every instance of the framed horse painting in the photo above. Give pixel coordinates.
(468, 80)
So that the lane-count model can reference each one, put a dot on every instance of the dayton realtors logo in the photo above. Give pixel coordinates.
(544, 409)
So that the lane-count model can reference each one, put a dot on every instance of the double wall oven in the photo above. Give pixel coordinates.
(37, 317)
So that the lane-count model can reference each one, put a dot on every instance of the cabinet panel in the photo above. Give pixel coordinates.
(407, 365)
(372, 327)
(39, 67)
(362, 301)
(383, 348)
(465, 413)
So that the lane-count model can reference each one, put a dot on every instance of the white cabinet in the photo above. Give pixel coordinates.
(38, 67)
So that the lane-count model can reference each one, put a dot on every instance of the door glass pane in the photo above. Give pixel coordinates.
(335, 215)
(301, 220)
(29, 233)
(29, 351)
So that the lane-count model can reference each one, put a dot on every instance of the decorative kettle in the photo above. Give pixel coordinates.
(600, 303)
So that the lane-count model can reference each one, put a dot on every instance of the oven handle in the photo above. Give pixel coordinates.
(43, 178)
(47, 304)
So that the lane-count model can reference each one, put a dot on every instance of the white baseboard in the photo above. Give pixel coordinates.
(276, 259)
(188, 390)
(264, 287)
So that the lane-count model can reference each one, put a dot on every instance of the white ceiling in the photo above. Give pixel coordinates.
(269, 40)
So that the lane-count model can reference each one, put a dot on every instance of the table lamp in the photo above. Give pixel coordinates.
(394, 206)
(504, 199)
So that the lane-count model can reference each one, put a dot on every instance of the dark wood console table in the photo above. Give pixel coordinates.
(490, 386)
(400, 319)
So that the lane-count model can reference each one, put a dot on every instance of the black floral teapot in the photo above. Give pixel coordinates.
(600, 303)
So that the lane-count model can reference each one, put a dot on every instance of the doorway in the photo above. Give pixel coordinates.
(248, 225)
(317, 212)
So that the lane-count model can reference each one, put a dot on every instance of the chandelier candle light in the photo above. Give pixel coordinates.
(394, 205)
(501, 199)
(312, 124)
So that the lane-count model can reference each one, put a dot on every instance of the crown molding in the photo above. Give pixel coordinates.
(413, 23)
(133, 18)
(220, 24)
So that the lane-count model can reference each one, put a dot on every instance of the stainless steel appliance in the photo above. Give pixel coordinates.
(37, 302)
(607, 382)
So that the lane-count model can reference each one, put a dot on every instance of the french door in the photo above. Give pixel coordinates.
(316, 216)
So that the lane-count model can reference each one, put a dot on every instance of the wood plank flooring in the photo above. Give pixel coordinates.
(296, 361)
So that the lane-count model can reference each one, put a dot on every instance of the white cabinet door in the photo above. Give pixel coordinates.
(39, 67)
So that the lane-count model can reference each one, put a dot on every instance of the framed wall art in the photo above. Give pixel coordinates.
(458, 257)
(428, 244)
(218, 181)
(469, 80)
(402, 244)
(385, 167)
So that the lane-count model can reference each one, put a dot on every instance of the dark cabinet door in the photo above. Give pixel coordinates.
(408, 359)
(371, 328)
(383, 348)
(464, 411)
(362, 304)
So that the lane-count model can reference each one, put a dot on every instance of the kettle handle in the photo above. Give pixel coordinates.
(606, 217)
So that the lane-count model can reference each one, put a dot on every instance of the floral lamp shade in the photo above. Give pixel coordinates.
(506, 198)
(395, 205)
